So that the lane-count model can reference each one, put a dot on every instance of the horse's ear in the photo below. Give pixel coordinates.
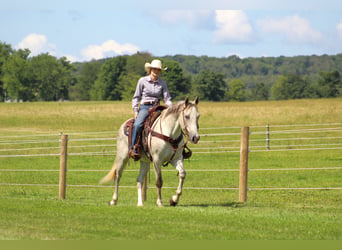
(196, 100)
(186, 102)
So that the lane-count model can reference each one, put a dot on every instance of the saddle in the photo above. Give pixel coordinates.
(141, 141)
(142, 138)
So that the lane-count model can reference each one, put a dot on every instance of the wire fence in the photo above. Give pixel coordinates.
(270, 138)
(214, 140)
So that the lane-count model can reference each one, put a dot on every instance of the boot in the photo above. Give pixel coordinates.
(135, 152)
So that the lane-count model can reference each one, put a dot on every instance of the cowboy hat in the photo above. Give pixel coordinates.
(156, 64)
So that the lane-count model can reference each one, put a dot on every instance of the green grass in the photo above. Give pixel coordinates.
(35, 212)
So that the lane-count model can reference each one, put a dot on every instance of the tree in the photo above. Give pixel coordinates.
(44, 70)
(135, 63)
(211, 85)
(129, 83)
(178, 85)
(51, 77)
(16, 82)
(291, 86)
(86, 80)
(237, 91)
(66, 78)
(328, 84)
(260, 92)
(5, 53)
(107, 86)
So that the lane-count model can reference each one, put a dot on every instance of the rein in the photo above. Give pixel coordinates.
(174, 142)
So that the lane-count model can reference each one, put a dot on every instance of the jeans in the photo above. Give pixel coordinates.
(139, 122)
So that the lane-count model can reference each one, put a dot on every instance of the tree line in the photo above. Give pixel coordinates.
(39, 78)
(47, 78)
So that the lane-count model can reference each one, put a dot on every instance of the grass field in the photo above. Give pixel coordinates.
(208, 208)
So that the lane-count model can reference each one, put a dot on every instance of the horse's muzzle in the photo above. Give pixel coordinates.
(195, 139)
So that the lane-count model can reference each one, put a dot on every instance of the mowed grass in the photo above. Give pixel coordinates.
(209, 207)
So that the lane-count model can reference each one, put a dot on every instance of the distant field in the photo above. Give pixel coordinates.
(104, 116)
(208, 208)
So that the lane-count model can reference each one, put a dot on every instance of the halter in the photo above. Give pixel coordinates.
(174, 142)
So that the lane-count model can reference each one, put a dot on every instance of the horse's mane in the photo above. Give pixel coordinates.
(176, 108)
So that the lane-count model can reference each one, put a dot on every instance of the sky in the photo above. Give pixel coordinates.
(82, 30)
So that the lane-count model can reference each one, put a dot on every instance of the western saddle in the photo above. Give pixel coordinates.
(142, 141)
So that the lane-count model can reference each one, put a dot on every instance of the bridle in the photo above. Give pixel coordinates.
(174, 141)
(185, 130)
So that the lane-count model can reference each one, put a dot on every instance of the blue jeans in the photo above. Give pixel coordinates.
(139, 122)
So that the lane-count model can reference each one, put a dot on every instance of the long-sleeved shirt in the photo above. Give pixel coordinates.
(150, 91)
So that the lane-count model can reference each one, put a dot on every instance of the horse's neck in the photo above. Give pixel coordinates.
(169, 125)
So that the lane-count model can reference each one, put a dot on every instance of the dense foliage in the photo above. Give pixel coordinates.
(46, 78)
(42, 77)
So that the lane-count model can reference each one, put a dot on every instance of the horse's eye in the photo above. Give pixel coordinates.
(187, 117)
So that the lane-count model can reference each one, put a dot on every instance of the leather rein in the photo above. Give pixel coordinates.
(174, 142)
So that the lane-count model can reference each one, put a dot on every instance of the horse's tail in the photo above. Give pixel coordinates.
(111, 175)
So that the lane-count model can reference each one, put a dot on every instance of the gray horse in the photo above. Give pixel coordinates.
(174, 122)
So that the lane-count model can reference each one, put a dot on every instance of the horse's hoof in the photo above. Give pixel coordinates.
(160, 204)
(173, 203)
(112, 203)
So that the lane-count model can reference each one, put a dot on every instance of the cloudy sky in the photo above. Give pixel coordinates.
(83, 30)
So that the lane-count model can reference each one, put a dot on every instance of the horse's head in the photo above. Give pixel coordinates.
(190, 120)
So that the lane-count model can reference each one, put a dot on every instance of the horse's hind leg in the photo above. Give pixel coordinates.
(119, 164)
(116, 189)
(144, 166)
(115, 197)
(120, 167)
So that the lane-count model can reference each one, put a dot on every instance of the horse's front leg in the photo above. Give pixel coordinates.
(159, 183)
(181, 174)
(144, 166)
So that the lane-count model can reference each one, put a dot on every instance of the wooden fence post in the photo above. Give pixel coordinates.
(63, 166)
(268, 137)
(243, 164)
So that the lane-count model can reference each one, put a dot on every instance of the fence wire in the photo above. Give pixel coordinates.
(215, 140)
(262, 138)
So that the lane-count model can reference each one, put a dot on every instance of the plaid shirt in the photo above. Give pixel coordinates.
(149, 91)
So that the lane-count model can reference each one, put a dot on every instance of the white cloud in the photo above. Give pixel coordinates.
(295, 29)
(110, 46)
(37, 44)
(233, 26)
(339, 29)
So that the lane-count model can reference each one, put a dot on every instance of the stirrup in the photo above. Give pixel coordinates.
(135, 153)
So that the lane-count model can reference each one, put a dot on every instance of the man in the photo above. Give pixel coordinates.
(149, 89)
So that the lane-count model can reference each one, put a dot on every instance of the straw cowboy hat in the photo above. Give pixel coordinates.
(156, 64)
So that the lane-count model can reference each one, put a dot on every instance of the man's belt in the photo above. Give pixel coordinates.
(150, 103)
